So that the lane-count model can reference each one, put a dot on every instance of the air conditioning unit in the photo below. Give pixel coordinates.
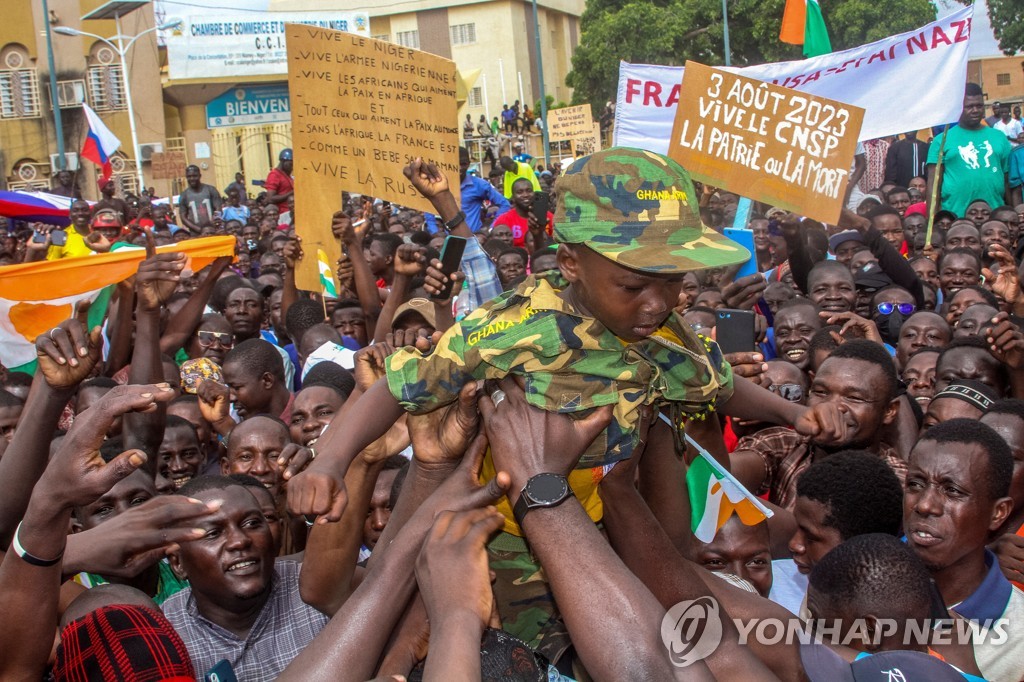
(70, 162)
(147, 150)
(71, 93)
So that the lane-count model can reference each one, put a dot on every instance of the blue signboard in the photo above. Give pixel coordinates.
(250, 105)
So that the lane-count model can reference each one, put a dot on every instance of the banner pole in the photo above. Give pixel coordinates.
(935, 192)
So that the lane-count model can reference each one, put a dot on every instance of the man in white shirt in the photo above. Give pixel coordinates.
(1009, 126)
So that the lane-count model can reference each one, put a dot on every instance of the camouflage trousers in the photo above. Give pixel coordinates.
(524, 599)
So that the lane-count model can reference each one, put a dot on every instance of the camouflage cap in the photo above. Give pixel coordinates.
(639, 209)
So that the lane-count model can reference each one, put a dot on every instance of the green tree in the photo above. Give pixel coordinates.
(673, 31)
(1007, 18)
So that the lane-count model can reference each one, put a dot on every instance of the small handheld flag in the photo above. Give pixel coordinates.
(326, 276)
(100, 144)
(804, 24)
(715, 495)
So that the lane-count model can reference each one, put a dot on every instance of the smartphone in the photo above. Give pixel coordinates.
(734, 330)
(744, 238)
(221, 672)
(541, 208)
(58, 237)
(451, 257)
(38, 237)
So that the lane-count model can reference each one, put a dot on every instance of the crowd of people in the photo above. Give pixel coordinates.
(482, 474)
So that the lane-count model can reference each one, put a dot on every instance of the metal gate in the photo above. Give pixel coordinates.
(252, 150)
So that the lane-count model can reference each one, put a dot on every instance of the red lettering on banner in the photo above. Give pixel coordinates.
(880, 56)
(963, 30)
(939, 36)
(652, 91)
(920, 41)
(673, 97)
(632, 88)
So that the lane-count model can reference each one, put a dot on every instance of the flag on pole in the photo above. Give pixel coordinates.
(100, 144)
(804, 24)
(326, 276)
(715, 495)
(36, 297)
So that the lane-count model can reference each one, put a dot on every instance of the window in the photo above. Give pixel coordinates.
(476, 97)
(106, 88)
(463, 34)
(19, 93)
(1002, 79)
(408, 39)
(383, 36)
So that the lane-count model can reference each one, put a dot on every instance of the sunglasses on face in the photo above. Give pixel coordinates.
(904, 308)
(208, 338)
(794, 393)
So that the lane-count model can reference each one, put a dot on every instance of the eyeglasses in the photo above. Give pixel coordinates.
(208, 338)
(794, 393)
(904, 308)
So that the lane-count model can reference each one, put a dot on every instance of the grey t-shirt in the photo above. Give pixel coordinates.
(198, 205)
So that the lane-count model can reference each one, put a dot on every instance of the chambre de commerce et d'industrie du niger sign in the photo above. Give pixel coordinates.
(772, 144)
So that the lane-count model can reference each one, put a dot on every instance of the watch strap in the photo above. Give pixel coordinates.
(457, 220)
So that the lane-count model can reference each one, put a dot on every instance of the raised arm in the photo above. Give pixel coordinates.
(605, 607)
(183, 323)
(30, 575)
(156, 280)
(67, 355)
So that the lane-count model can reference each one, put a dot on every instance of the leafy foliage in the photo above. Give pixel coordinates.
(1007, 18)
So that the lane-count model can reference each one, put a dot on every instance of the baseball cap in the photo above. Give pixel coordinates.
(774, 212)
(845, 236)
(821, 664)
(639, 209)
(871, 278)
(285, 155)
(419, 306)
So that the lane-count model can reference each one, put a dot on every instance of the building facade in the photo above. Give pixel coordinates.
(88, 71)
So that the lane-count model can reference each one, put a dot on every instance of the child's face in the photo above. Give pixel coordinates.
(631, 304)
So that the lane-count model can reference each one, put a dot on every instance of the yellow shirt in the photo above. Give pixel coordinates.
(523, 170)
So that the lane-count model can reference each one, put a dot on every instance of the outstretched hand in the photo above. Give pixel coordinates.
(77, 474)
(158, 276)
(68, 353)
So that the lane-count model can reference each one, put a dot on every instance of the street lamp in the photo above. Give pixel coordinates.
(122, 48)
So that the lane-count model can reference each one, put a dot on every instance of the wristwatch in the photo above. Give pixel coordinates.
(543, 490)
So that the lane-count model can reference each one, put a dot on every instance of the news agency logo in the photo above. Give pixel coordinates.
(691, 631)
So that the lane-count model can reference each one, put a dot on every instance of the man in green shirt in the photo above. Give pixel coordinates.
(975, 159)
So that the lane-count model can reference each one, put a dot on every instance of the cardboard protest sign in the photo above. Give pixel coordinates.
(569, 123)
(167, 165)
(585, 145)
(769, 143)
(361, 110)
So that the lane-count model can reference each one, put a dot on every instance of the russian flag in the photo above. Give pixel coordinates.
(100, 144)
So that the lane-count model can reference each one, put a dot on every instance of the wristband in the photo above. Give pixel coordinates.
(456, 221)
(29, 558)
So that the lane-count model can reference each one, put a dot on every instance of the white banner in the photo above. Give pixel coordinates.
(245, 44)
(905, 82)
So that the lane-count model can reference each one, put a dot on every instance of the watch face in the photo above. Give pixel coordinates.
(547, 488)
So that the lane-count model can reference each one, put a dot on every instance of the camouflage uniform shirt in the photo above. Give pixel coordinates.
(570, 363)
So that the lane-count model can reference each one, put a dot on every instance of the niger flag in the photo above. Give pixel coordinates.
(36, 297)
(804, 24)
